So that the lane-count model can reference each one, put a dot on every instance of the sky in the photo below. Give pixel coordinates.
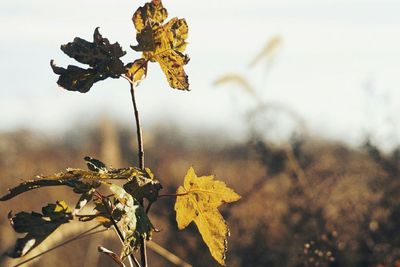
(337, 67)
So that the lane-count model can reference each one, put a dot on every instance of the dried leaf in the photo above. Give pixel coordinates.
(100, 55)
(151, 14)
(134, 220)
(37, 226)
(66, 179)
(95, 164)
(198, 201)
(137, 71)
(164, 44)
(144, 187)
(73, 178)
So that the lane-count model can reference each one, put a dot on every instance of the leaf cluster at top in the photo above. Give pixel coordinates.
(162, 43)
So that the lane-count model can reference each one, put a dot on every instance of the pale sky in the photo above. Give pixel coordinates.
(338, 67)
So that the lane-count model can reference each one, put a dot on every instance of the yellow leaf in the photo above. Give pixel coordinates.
(163, 43)
(198, 201)
(152, 14)
(137, 70)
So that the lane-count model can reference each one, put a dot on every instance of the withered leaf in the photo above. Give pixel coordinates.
(163, 43)
(137, 70)
(102, 57)
(134, 220)
(151, 14)
(37, 226)
(95, 164)
(144, 187)
(73, 178)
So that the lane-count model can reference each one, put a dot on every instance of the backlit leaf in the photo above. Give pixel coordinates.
(100, 55)
(37, 226)
(151, 14)
(198, 201)
(163, 43)
(137, 70)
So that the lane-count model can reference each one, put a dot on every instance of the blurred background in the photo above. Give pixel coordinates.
(293, 103)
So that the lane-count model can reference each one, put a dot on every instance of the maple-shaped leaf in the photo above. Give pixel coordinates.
(102, 57)
(198, 201)
(162, 43)
(37, 226)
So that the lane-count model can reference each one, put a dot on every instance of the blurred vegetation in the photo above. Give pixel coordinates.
(309, 202)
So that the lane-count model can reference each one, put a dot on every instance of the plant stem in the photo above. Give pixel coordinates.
(143, 254)
(138, 130)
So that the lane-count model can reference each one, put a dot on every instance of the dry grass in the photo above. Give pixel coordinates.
(345, 212)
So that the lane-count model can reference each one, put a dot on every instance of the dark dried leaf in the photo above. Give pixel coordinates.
(144, 187)
(37, 226)
(100, 55)
(95, 165)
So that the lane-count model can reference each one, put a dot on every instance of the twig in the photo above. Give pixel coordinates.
(81, 235)
(143, 254)
(167, 254)
(112, 255)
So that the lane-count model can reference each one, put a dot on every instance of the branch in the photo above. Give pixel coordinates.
(138, 130)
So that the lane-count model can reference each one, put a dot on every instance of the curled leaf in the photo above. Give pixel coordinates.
(137, 70)
(74, 78)
(102, 57)
(95, 164)
(73, 178)
(134, 220)
(198, 201)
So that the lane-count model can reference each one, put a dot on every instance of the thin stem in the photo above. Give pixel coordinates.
(81, 235)
(119, 233)
(148, 207)
(138, 130)
(143, 254)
